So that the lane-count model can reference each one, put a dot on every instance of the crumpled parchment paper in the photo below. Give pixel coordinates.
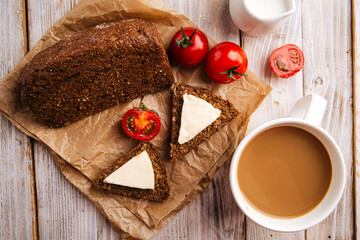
(83, 150)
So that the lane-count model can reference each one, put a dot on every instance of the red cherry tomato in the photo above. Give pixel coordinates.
(287, 60)
(226, 62)
(189, 47)
(141, 123)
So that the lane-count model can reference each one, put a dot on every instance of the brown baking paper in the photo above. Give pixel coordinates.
(83, 150)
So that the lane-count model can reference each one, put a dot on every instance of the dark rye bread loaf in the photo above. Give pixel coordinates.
(161, 191)
(94, 70)
(228, 113)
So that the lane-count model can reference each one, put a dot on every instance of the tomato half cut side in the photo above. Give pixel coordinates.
(141, 124)
(286, 60)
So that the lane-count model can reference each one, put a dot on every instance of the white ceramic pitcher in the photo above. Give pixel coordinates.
(258, 17)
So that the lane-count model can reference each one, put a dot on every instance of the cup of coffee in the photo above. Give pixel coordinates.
(289, 174)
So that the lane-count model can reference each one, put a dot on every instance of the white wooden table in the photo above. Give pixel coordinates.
(38, 202)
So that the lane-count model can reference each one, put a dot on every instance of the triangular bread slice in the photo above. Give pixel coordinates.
(160, 192)
(228, 113)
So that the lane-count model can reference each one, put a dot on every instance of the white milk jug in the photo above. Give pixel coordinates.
(258, 17)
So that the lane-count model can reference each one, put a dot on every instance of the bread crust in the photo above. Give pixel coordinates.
(161, 191)
(228, 113)
(93, 70)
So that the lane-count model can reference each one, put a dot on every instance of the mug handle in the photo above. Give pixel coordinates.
(310, 108)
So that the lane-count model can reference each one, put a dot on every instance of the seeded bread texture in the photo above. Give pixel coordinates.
(161, 191)
(228, 113)
(94, 70)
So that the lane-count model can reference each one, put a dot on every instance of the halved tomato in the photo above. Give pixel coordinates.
(141, 123)
(286, 60)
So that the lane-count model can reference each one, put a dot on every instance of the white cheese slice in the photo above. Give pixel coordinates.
(138, 172)
(196, 115)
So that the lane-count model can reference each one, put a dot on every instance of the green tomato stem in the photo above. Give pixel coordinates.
(231, 73)
(185, 41)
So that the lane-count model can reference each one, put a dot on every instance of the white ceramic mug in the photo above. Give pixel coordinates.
(306, 114)
(258, 17)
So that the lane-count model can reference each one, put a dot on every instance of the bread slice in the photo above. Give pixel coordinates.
(161, 190)
(94, 70)
(228, 113)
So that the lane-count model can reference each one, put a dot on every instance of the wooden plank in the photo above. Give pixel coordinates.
(328, 72)
(213, 215)
(63, 212)
(282, 98)
(356, 91)
(17, 187)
